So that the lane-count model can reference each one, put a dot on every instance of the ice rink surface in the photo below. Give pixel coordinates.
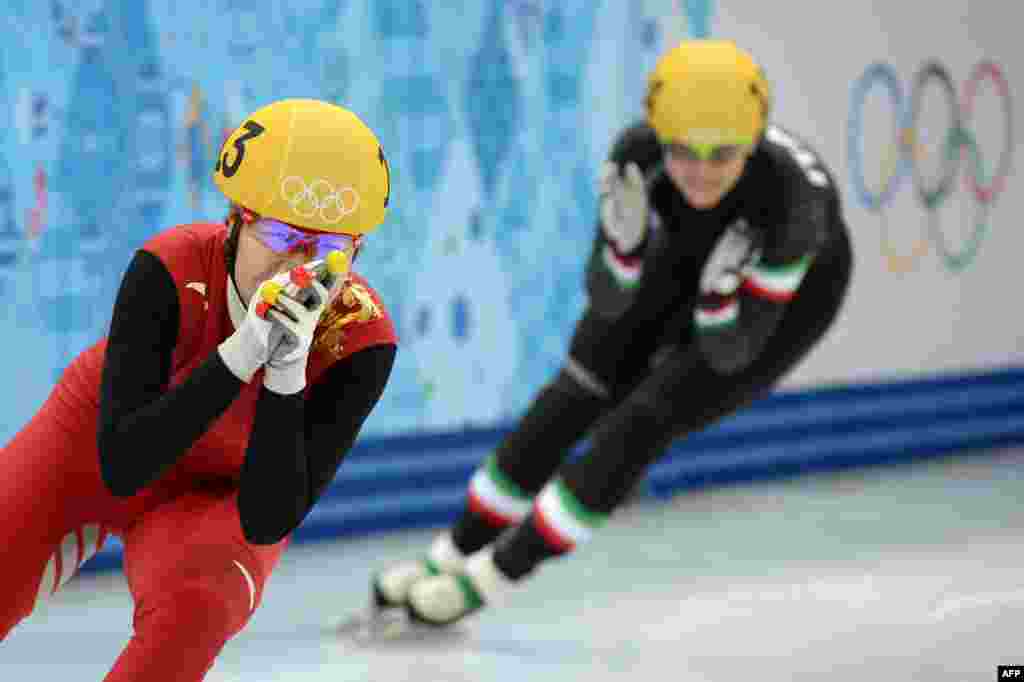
(897, 573)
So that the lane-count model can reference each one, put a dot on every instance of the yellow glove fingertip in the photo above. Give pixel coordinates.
(270, 291)
(338, 263)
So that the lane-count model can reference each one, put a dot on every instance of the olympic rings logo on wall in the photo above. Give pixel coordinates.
(960, 150)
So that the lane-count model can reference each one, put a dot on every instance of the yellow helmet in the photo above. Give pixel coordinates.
(307, 163)
(705, 93)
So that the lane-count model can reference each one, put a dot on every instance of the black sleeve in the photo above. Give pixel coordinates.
(144, 428)
(297, 445)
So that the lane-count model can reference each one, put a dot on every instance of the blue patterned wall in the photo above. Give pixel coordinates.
(494, 114)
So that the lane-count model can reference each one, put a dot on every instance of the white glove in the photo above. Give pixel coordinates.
(280, 339)
(732, 256)
(248, 348)
(623, 205)
(292, 335)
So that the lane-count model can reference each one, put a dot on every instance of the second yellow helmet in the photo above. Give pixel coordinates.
(707, 92)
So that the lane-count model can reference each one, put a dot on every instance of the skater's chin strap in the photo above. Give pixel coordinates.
(236, 308)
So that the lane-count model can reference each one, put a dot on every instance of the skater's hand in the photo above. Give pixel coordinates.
(248, 349)
(278, 327)
(294, 316)
(623, 205)
(727, 266)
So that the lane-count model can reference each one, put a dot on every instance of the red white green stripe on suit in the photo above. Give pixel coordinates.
(625, 269)
(721, 313)
(777, 283)
(496, 498)
(562, 520)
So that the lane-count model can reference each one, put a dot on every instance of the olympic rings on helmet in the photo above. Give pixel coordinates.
(319, 198)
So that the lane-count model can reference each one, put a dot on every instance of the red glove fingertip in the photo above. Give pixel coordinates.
(301, 277)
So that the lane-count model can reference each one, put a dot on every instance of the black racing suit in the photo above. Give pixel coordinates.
(641, 371)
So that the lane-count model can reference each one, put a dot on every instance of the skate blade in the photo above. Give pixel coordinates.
(373, 624)
(392, 627)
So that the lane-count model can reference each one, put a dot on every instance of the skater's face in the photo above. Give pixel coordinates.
(267, 247)
(705, 176)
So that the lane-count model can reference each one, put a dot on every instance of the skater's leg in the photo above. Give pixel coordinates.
(46, 500)
(683, 395)
(196, 582)
(502, 489)
(558, 519)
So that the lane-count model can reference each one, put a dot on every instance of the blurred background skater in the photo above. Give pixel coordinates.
(721, 260)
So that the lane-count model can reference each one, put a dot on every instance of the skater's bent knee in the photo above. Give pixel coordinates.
(647, 405)
(199, 608)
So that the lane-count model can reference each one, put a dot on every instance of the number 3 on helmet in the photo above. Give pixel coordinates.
(307, 163)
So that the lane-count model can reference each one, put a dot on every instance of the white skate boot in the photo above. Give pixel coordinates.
(444, 599)
(391, 585)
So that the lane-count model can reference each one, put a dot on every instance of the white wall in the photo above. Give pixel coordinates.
(925, 318)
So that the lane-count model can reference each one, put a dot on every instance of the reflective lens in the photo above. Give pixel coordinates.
(284, 238)
(722, 153)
